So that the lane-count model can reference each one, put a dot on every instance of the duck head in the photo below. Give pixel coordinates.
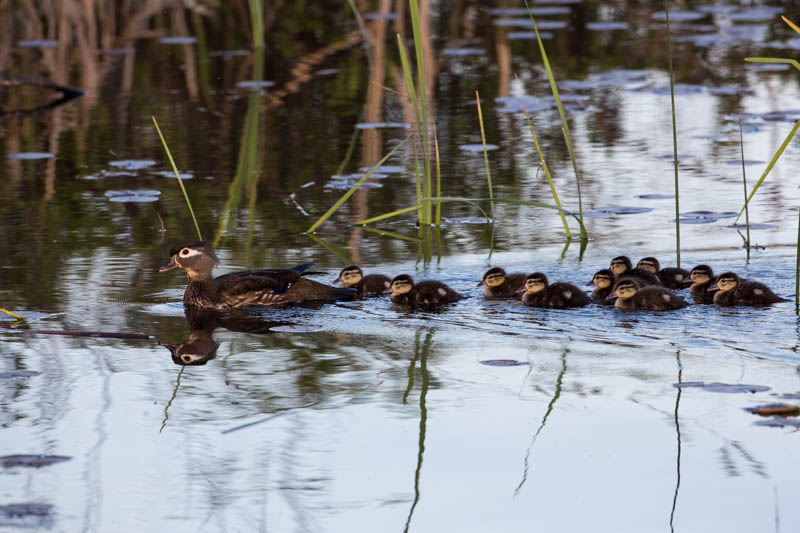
(494, 277)
(624, 289)
(725, 282)
(534, 283)
(603, 279)
(349, 276)
(620, 265)
(649, 264)
(701, 274)
(197, 258)
(401, 284)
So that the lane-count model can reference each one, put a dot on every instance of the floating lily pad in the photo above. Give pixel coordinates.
(133, 195)
(516, 104)
(767, 67)
(778, 422)
(504, 362)
(33, 461)
(358, 175)
(526, 23)
(776, 409)
(132, 164)
(616, 210)
(754, 14)
(327, 72)
(17, 374)
(681, 89)
(382, 125)
(465, 220)
(379, 16)
(705, 217)
(529, 35)
(30, 155)
(714, 137)
(656, 196)
(606, 26)
(178, 39)
(578, 85)
(722, 387)
(171, 174)
(521, 11)
(791, 395)
(677, 16)
(753, 225)
(463, 52)
(255, 85)
(682, 158)
(344, 185)
(475, 148)
(27, 515)
(296, 328)
(385, 169)
(747, 162)
(37, 43)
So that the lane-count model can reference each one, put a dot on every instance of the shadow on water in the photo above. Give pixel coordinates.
(678, 434)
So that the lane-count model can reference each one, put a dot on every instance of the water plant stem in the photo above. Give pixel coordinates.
(744, 183)
(178, 175)
(485, 156)
(674, 139)
(257, 21)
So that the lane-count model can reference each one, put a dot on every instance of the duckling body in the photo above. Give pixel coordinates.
(428, 294)
(538, 292)
(732, 290)
(370, 285)
(632, 297)
(670, 277)
(604, 281)
(497, 284)
(239, 289)
(623, 268)
(701, 279)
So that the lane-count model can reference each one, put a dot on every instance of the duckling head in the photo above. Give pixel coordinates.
(603, 279)
(624, 289)
(620, 265)
(649, 264)
(725, 282)
(701, 274)
(534, 283)
(401, 284)
(349, 276)
(494, 277)
(197, 258)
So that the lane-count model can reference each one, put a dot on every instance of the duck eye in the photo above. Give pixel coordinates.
(185, 251)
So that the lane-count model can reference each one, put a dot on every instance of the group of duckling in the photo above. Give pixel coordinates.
(646, 286)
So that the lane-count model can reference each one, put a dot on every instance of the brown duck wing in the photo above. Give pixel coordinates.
(251, 288)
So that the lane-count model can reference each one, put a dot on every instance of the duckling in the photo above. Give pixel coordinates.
(427, 294)
(700, 280)
(622, 267)
(603, 280)
(538, 292)
(369, 285)
(734, 290)
(498, 284)
(239, 289)
(670, 277)
(630, 296)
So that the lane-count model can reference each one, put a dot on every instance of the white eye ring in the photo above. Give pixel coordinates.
(185, 251)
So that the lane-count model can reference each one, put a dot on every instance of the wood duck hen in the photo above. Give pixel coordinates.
(370, 285)
(239, 289)
(497, 284)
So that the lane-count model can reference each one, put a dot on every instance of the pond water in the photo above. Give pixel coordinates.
(357, 416)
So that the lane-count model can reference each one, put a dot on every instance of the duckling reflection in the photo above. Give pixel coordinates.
(201, 346)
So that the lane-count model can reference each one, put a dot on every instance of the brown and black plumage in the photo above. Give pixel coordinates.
(603, 281)
(670, 277)
(630, 296)
(370, 285)
(701, 278)
(622, 267)
(240, 289)
(539, 292)
(425, 294)
(732, 290)
(497, 284)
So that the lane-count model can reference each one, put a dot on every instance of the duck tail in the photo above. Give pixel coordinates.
(344, 293)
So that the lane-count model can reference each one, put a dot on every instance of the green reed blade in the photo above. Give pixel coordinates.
(354, 188)
(791, 24)
(438, 219)
(362, 27)
(674, 138)
(11, 314)
(257, 21)
(546, 169)
(390, 234)
(769, 167)
(744, 183)
(485, 153)
(340, 254)
(423, 103)
(797, 272)
(564, 124)
(180, 181)
(412, 96)
(773, 60)
(387, 215)
(469, 201)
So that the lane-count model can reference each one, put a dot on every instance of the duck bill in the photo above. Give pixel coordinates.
(169, 266)
(612, 297)
(713, 288)
(387, 291)
(590, 283)
(687, 283)
(481, 284)
(521, 290)
(337, 281)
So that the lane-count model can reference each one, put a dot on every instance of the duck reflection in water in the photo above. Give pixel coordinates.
(201, 346)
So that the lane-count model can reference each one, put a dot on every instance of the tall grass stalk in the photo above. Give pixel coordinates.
(257, 21)
(744, 183)
(797, 273)
(180, 181)
(564, 124)
(485, 156)
(674, 139)
(15, 315)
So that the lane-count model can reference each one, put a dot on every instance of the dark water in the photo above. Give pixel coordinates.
(367, 416)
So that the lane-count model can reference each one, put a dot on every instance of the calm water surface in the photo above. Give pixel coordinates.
(361, 416)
